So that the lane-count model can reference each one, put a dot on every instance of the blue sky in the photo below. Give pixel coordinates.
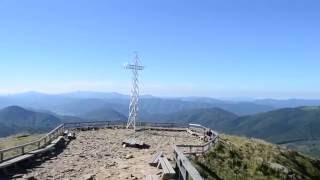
(216, 48)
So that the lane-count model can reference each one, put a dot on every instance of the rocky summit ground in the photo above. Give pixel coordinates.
(100, 155)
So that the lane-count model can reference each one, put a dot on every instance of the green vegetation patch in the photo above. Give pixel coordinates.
(242, 158)
(17, 140)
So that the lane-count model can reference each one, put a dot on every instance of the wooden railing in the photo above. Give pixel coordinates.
(96, 124)
(163, 125)
(198, 149)
(13, 152)
(120, 124)
(186, 169)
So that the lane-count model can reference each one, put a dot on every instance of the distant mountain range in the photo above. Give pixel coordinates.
(282, 125)
(288, 124)
(298, 128)
(105, 114)
(83, 102)
(15, 119)
(288, 103)
(215, 118)
(277, 121)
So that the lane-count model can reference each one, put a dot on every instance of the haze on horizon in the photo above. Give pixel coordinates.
(219, 49)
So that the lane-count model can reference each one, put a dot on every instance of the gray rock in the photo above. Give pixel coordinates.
(129, 156)
(279, 168)
(89, 177)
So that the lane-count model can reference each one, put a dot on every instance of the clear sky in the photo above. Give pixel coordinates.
(216, 48)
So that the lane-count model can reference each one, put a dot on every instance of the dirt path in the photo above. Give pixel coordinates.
(100, 155)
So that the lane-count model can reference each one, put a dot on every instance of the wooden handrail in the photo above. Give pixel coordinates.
(187, 170)
(21, 149)
(203, 145)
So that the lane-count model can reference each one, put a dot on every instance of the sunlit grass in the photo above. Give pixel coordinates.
(242, 158)
(17, 140)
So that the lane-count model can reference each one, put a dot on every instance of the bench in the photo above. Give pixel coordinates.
(155, 158)
(152, 177)
(168, 171)
(191, 132)
(195, 133)
(135, 144)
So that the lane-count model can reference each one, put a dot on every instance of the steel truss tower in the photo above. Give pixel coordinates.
(134, 102)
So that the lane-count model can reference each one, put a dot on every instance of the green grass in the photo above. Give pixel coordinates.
(17, 140)
(242, 158)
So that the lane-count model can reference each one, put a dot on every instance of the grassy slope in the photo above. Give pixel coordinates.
(17, 140)
(241, 158)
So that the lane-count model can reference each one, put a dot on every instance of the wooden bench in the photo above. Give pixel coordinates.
(15, 160)
(135, 144)
(152, 177)
(191, 132)
(168, 171)
(155, 158)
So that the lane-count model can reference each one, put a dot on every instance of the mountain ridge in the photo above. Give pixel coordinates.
(18, 119)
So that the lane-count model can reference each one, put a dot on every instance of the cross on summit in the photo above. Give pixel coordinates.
(134, 101)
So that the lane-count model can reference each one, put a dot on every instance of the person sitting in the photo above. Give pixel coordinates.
(209, 133)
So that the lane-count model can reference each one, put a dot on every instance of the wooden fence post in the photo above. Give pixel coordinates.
(1, 157)
(22, 150)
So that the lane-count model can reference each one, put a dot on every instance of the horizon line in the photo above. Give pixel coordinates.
(226, 98)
